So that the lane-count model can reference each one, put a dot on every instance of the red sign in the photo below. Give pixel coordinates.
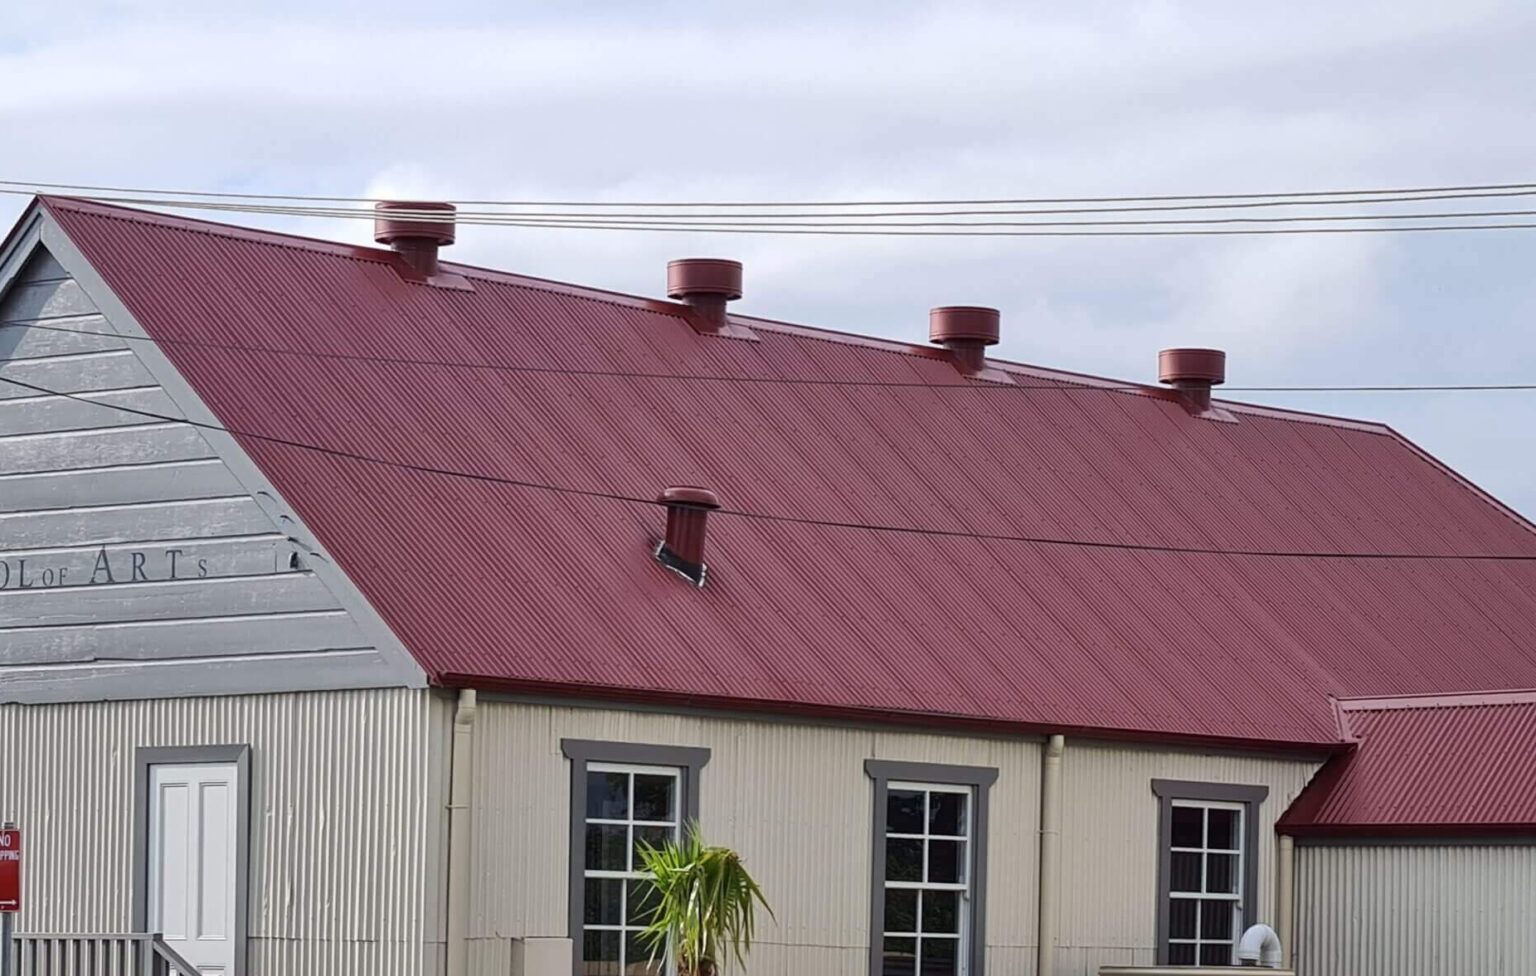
(10, 870)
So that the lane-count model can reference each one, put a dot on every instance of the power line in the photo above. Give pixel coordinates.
(29, 187)
(1064, 385)
(770, 517)
(843, 231)
(194, 201)
(673, 221)
(1184, 227)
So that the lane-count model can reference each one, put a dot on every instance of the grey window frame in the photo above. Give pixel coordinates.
(980, 779)
(688, 760)
(146, 757)
(1251, 798)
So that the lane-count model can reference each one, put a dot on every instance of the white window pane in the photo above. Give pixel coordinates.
(600, 954)
(1184, 872)
(900, 957)
(1216, 920)
(941, 912)
(1215, 953)
(607, 796)
(947, 815)
(941, 957)
(946, 861)
(1188, 827)
(1220, 873)
(904, 812)
(900, 910)
(903, 860)
(655, 798)
(604, 901)
(606, 847)
(1182, 913)
(1221, 830)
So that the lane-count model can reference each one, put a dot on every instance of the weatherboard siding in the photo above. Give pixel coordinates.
(794, 799)
(1416, 910)
(345, 819)
(133, 561)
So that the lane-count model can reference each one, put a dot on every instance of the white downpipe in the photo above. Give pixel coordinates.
(1260, 944)
(1050, 852)
(459, 794)
(1285, 897)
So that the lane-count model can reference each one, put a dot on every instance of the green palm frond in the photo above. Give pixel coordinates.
(702, 903)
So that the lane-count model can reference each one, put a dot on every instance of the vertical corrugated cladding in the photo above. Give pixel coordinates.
(1416, 910)
(1110, 842)
(343, 813)
(793, 798)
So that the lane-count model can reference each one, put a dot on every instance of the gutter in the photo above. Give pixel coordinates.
(612, 696)
(1050, 853)
(459, 834)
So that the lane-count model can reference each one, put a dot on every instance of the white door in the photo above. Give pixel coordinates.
(192, 846)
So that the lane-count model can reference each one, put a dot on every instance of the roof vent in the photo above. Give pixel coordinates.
(705, 285)
(415, 229)
(1192, 372)
(966, 330)
(682, 551)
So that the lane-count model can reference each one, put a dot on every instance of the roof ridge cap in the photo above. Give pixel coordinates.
(1389, 703)
(213, 228)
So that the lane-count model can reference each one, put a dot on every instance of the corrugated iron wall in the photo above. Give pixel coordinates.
(1400, 910)
(1110, 845)
(794, 799)
(344, 819)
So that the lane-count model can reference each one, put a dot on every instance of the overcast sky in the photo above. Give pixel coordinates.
(862, 99)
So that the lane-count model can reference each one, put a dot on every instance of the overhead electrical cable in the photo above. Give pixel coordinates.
(773, 517)
(1067, 384)
(195, 201)
(893, 230)
(627, 222)
(33, 186)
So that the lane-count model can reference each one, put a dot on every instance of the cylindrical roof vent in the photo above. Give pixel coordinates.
(1193, 372)
(415, 229)
(705, 285)
(682, 550)
(966, 330)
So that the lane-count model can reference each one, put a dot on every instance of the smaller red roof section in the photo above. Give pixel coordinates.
(1452, 764)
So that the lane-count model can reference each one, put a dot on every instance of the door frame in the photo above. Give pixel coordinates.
(148, 756)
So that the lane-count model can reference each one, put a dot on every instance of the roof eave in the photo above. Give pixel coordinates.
(579, 694)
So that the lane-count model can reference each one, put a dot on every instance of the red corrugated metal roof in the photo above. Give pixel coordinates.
(1457, 763)
(525, 589)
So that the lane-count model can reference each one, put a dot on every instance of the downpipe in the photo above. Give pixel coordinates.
(460, 792)
(1050, 853)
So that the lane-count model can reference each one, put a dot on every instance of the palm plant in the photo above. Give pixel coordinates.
(702, 902)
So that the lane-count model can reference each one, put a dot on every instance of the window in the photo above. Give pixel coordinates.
(929, 875)
(627, 806)
(622, 795)
(1207, 870)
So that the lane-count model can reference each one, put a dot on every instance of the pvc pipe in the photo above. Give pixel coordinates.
(459, 796)
(1260, 944)
(1050, 853)
(1285, 897)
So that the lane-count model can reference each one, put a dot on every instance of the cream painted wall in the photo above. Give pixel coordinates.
(794, 800)
(1109, 843)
